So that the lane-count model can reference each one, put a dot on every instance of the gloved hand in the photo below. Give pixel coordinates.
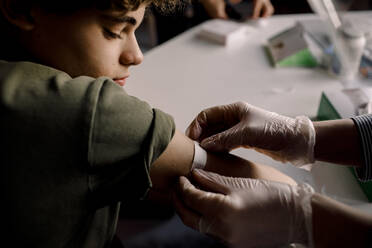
(246, 212)
(262, 8)
(240, 124)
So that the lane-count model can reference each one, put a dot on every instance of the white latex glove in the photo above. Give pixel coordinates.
(262, 8)
(246, 212)
(240, 124)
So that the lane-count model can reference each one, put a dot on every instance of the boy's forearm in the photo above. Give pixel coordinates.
(230, 165)
(337, 141)
(338, 225)
(177, 160)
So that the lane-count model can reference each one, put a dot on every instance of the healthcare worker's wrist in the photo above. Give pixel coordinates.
(301, 149)
(302, 224)
(309, 136)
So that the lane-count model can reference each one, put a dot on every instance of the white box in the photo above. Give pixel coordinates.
(350, 102)
(223, 31)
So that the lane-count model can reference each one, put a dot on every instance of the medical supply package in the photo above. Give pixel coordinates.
(320, 43)
(289, 48)
(223, 32)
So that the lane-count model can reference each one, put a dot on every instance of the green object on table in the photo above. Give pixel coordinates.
(327, 111)
(290, 49)
(302, 58)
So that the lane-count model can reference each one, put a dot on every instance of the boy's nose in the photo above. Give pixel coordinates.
(132, 54)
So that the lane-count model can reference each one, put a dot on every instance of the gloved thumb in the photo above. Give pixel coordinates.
(210, 181)
(194, 130)
(223, 141)
(220, 184)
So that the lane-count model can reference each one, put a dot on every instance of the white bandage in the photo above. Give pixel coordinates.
(200, 157)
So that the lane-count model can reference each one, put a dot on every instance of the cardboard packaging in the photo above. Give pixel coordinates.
(290, 48)
(223, 32)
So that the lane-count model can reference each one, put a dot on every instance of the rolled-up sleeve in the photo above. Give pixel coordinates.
(364, 127)
(126, 136)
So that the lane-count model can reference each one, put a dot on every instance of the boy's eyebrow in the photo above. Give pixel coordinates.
(120, 19)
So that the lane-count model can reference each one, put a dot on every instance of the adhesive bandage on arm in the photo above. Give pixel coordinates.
(200, 157)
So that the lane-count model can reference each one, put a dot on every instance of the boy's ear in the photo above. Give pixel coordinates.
(17, 13)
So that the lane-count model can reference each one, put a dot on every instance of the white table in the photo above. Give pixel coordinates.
(186, 74)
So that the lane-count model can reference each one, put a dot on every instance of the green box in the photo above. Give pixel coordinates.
(327, 111)
(290, 49)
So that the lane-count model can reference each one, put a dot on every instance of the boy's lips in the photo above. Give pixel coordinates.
(121, 81)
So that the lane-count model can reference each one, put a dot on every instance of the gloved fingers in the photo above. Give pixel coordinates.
(204, 226)
(200, 126)
(213, 228)
(223, 141)
(194, 130)
(192, 219)
(196, 221)
(201, 202)
(188, 217)
(212, 182)
(213, 120)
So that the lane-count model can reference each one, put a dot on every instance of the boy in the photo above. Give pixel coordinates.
(74, 143)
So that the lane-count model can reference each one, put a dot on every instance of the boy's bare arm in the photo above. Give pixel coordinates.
(177, 160)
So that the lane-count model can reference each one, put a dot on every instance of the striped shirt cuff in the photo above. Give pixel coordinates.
(364, 127)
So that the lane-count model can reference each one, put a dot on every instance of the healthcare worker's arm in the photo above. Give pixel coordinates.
(177, 160)
(250, 213)
(337, 141)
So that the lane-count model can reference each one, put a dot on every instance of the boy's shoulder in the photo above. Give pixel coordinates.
(27, 69)
(25, 75)
(26, 85)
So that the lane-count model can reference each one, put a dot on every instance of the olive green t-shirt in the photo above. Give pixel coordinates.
(72, 149)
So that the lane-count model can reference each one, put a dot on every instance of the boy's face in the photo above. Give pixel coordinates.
(89, 42)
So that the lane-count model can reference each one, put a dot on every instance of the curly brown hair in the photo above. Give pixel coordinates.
(68, 6)
(11, 49)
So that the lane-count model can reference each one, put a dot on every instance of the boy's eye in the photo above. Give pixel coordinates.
(111, 35)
